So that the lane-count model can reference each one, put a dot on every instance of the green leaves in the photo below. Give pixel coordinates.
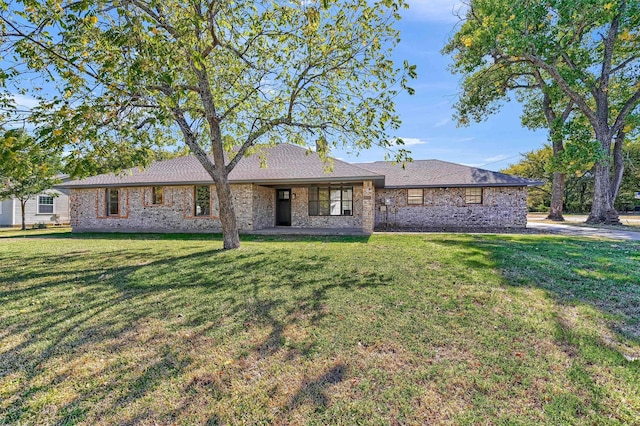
(220, 76)
(572, 62)
(26, 168)
(312, 69)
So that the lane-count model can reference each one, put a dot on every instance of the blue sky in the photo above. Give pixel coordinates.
(427, 117)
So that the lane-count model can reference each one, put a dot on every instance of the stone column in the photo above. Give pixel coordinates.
(74, 205)
(368, 207)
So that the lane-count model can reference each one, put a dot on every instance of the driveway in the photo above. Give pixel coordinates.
(583, 231)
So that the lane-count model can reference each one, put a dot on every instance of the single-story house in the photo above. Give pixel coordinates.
(50, 207)
(290, 186)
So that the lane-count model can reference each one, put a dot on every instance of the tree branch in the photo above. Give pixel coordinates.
(557, 77)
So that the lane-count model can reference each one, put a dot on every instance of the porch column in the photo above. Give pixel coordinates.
(368, 206)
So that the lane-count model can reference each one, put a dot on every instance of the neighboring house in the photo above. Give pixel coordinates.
(49, 207)
(288, 185)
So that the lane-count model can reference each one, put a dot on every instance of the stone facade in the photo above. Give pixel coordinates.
(368, 207)
(255, 207)
(501, 207)
(137, 213)
(264, 208)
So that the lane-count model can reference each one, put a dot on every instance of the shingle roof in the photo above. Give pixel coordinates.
(436, 173)
(284, 163)
(294, 164)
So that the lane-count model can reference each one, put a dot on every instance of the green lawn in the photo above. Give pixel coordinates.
(391, 329)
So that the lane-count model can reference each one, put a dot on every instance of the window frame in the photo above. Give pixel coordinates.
(109, 202)
(154, 195)
(195, 201)
(52, 204)
(328, 199)
(473, 198)
(413, 198)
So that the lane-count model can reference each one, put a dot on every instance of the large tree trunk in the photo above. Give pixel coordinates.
(218, 168)
(228, 221)
(555, 124)
(557, 197)
(218, 172)
(602, 210)
(618, 166)
(230, 235)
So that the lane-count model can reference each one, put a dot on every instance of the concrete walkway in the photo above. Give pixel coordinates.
(288, 230)
(584, 231)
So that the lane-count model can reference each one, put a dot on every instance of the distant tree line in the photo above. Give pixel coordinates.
(578, 191)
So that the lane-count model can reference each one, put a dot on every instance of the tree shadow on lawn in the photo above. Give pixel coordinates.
(178, 236)
(604, 275)
(593, 317)
(108, 338)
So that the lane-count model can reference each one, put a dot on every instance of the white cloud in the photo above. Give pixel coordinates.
(442, 123)
(436, 10)
(496, 158)
(412, 142)
(467, 139)
(25, 101)
(490, 160)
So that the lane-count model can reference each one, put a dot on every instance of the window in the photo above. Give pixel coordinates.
(330, 201)
(202, 198)
(415, 196)
(473, 195)
(45, 204)
(112, 202)
(284, 194)
(156, 195)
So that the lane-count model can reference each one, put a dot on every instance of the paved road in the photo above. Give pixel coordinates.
(584, 231)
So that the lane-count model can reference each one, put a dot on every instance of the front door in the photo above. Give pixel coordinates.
(283, 207)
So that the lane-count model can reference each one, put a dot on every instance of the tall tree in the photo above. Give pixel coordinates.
(225, 75)
(587, 48)
(576, 161)
(535, 165)
(486, 90)
(26, 169)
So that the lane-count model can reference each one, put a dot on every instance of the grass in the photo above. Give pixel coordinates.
(391, 329)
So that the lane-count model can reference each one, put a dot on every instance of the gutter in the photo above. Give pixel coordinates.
(467, 185)
(379, 180)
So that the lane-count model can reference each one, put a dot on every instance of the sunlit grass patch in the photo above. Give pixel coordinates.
(413, 329)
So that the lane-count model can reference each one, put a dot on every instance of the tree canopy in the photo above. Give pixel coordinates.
(583, 53)
(220, 76)
(26, 168)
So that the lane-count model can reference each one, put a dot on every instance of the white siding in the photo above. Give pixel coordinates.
(6, 212)
(31, 215)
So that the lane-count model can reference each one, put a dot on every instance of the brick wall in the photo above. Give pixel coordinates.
(502, 207)
(136, 213)
(368, 207)
(254, 206)
(255, 209)
(264, 212)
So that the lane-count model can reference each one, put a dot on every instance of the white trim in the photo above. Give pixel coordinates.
(13, 209)
(38, 204)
